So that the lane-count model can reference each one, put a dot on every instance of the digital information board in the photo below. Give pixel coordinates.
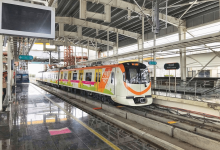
(25, 19)
(172, 66)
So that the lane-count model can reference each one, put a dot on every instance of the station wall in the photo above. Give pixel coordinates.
(193, 63)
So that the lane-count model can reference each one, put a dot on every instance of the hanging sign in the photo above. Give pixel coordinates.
(172, 66)
(25, 57)
(152, 63)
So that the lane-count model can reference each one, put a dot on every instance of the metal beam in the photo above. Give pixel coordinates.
(61, 43)
(87, 24)
(215, 37)
(1, 70)
(134, 8)
(75, 35)
(40, 1)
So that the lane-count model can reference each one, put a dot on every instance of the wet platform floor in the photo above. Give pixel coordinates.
(36, 123)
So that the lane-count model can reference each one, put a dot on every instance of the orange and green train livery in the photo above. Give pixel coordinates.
(127, 83)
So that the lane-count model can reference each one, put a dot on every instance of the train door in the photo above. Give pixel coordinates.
(81, 74)
(69, 75)
(69, 78)
(61, 76)
(98, 76)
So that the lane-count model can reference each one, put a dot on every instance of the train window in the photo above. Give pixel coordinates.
(145, 76)
(65, 76)
(123, 76)
(112, 77)
(74, 76)
(88, 76)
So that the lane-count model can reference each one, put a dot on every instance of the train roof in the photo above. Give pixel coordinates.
(105, 66)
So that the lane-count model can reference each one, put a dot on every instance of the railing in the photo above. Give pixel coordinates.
(196, 89)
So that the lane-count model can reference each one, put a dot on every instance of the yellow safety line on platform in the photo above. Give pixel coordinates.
(172, 122)
(83, 124)
(119, 106)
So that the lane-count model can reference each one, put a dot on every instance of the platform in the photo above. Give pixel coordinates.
(38, 124)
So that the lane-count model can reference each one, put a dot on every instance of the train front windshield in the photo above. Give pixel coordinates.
(137, 74)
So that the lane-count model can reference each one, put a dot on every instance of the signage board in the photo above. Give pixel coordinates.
(25, 57)
(172, 66)
(26, 20)
(25, 78)
(152, 63)
(19, 78)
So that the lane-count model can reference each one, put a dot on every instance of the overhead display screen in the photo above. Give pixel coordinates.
(21, 18)
(25, 19)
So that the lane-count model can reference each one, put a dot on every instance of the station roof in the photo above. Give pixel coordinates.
(127, 28)
(70, 8)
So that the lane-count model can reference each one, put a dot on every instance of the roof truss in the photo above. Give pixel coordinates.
(83, 23)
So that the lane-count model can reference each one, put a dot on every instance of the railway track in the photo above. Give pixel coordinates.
(199, 125)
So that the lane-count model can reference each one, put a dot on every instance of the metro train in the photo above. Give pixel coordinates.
(127, 83)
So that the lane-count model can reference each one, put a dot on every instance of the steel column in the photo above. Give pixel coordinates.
(97, 33)
(108, 44)
(182, 36)
(155, 67)
(96, 50)
(9, 71)
(58, 54)
(75, 55)
(82, 54)
(88, 49)
(50, 58)
(1, 70)
(140, 47)
(142, 57)
(117, 46)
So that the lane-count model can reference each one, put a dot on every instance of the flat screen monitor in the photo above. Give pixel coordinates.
(26, 20)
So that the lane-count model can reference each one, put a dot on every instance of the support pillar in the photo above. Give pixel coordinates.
(99, 54)
(9, 72)
(115, 48)
(79, 31)
(182, 36)
(58, 49)
(108, 44)
(75, 55)
(97, 33)
(88, 50)
(81, 54)
(141, 43)
(140, 47)
(1, 70)
(96, 50)
(50, 58)
(155, 67)
(142, 57)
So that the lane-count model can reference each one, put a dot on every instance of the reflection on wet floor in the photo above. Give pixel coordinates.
(32, 116)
